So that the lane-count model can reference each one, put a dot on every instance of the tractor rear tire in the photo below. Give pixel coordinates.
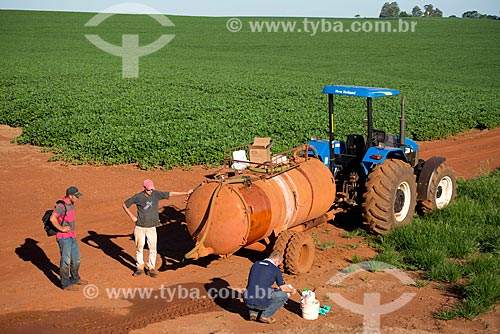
(443, 189)
(281, 243)
(390, 197)
(299, 254)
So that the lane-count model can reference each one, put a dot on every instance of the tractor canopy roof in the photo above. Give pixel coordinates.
(359, 91)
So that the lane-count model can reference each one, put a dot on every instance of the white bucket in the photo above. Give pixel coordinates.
(310, 311)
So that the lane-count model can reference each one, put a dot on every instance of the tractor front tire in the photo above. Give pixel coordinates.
(299, 254)
(443, 189)
(390, 197)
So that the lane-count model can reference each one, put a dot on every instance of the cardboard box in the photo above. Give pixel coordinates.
(260, 150)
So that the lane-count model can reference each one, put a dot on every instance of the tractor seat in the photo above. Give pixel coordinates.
(355, 145)
(379, 137)
(384, 139)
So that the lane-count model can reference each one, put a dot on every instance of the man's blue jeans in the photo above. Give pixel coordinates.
(70, 261)
(278, 299)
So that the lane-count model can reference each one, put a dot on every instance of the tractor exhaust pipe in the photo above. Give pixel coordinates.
(402, 124)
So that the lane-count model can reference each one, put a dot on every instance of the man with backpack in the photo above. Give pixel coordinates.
(63, 219)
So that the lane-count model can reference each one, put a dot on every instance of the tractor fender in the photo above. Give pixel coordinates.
(376, 156)
(425, 176)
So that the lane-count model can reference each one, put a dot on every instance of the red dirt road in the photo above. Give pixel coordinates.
(470, 154)
(31, 301)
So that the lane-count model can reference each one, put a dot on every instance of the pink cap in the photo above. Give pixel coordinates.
(148, 184)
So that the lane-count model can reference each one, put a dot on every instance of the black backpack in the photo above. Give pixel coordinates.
(47, 224)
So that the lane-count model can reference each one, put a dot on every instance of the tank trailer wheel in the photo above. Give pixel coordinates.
(281, 243)
(390, 197)
(299, 254)
(443, 189)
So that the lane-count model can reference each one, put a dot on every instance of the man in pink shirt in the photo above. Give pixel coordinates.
(63, 219)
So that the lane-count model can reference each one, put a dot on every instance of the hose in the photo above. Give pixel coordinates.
(265, 170)
(209, 220)
(306, 148)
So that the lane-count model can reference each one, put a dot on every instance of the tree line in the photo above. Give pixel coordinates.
(392, 10)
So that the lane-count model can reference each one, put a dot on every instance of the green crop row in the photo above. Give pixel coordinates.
(211, 89)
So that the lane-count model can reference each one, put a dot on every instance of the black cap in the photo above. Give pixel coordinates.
(73, 191)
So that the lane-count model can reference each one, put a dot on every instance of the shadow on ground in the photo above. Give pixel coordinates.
(29, 251)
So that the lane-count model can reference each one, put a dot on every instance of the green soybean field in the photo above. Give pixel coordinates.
(210, 89)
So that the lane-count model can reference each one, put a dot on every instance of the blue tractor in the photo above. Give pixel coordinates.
(382, 173)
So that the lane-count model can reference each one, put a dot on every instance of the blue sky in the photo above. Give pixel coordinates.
(294, 8)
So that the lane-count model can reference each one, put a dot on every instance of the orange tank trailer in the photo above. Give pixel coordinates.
(227, 214)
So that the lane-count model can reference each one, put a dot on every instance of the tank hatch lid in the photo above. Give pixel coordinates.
(360, 91)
